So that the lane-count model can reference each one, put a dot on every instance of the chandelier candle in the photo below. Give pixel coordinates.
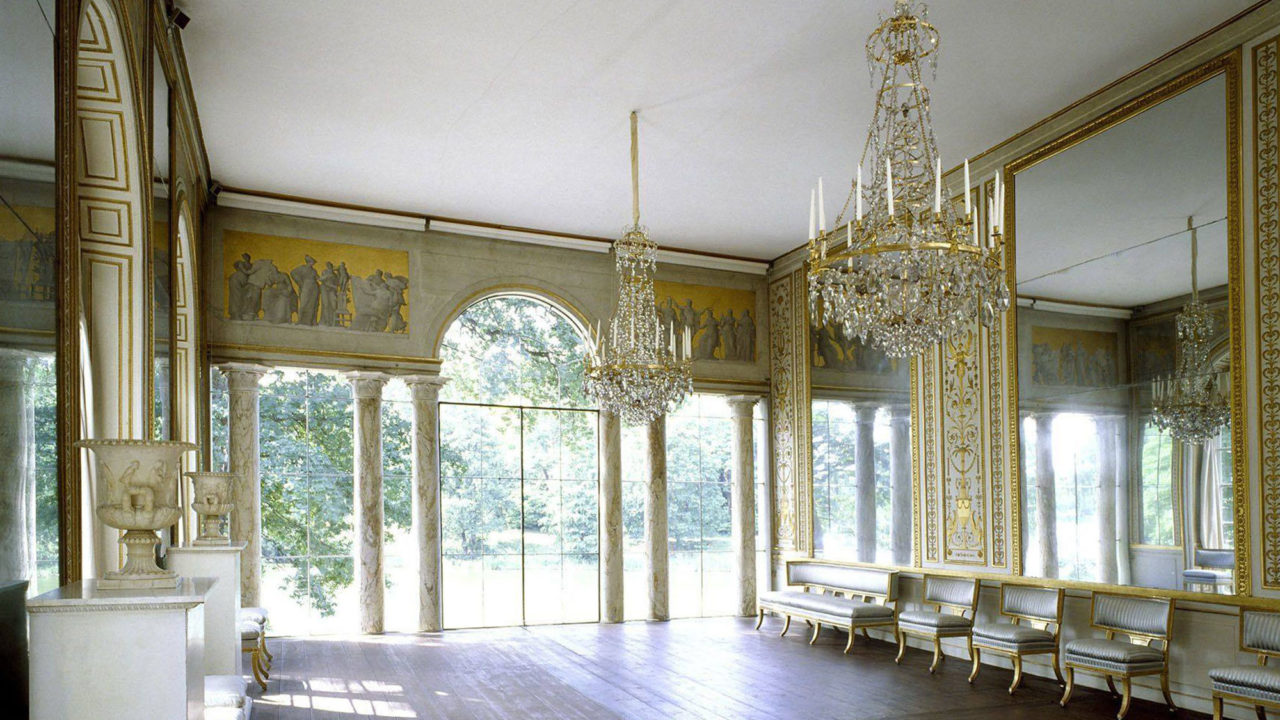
(909, 271)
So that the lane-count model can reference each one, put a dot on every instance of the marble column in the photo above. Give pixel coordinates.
(366, 434)
(743, 502)
(655, 525)
(611, 568)
(1108, 429)
(1046, 497)
(244, 454)
(17, 468)
(900, 484)
(864, 462)
(426, 496)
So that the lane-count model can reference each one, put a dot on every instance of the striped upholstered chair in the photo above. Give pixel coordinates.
(946, 601)
(1257, 685)
(1036, 614)
(1143, 622)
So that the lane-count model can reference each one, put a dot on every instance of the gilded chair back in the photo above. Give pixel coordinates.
(960, 594)
(1040, 606)
(1260, 633)
(1142, 620)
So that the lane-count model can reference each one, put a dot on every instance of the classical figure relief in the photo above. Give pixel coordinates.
(1074, 358)
(830, 349)
(374, 299)
(720, 320)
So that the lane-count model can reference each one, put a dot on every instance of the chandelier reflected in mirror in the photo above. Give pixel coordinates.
(638, 369)
(909, 271)
(1192, 404)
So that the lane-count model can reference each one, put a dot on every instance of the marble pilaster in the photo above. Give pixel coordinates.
(743, 503)
(655, 526)
(244, 456)
(1108, 429)
(864, 462)
(1046, 497)
(17, 469)
(900, 484)
(366, 435)
(611, 567)
(426, 496)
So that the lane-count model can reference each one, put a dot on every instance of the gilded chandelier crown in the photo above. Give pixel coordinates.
(909, 271)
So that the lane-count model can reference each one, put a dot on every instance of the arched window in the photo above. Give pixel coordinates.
(515, 350)
(519, 469)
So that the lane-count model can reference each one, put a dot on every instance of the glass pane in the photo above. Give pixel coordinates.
(543, 587)
(461, 588)
(331, 511)
(285, 516)
(685, 583)
(542, 512)
(284, 590)
(580, 518)
(334, 606)
(501, 592)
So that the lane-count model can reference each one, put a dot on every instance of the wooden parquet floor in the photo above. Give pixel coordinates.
(709, 668)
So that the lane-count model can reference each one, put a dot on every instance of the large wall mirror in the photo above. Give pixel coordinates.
(862, 474)
(1128, 277)
(161, 251)
(29, 535)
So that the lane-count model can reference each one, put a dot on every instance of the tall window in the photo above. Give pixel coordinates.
(1076, 491)
(399, 551)
(1156, 486)
(835, 479)
(1226, 487)
(699, 523)
(519, 468)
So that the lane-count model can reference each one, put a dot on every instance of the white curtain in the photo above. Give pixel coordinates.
(1210, 477)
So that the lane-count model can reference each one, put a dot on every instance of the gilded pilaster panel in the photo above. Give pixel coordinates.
(1267, 231)
(964, 536)
(928, 417)
(782, 418)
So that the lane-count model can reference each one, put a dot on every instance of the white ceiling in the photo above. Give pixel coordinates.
(1104, 221)
(516, 112)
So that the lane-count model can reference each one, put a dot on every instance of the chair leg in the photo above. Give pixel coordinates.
(1260, 711)
(866, 634)
(266, 656)
(1111, 686)
(1056, 671)
(1164, 688)
(849, 645)
(817, 628)
(786, 625)
(937, 654)
(1017, 673)
(977, 664)
(902, 646)
(256, 663)
(1124, 699)
(1217, 707)
(1071, 685)
(760, 621)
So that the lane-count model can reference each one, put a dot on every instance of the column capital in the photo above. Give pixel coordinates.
(241, 376)
(742, 405)
(425, 387)
(866, 412)
(366, 384)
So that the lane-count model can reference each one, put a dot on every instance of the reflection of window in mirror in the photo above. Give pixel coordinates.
(1155, 486)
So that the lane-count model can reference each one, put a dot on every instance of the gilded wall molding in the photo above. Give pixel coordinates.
(964, 487)
(928, 399)
(1266, 151)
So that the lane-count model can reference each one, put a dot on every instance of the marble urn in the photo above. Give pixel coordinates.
(136, 487)
(211, 499)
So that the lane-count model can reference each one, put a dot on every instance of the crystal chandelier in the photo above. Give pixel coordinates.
(1192, 403)
(909, 271)
(637, 370)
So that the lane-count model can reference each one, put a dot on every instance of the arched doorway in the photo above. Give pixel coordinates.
(519, 472)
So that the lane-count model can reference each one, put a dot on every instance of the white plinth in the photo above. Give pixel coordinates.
(118, 654)
(221, 636)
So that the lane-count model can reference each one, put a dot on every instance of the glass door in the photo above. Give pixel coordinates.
(519, 509)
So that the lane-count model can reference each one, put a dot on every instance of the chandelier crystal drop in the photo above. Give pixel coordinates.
(1192, 403)
(909, 271)
(638, 368)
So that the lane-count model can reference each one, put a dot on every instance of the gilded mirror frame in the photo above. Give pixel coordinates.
(1227, 66)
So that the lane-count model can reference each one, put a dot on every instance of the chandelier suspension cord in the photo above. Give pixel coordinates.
(1195, 287)
(635, 171)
